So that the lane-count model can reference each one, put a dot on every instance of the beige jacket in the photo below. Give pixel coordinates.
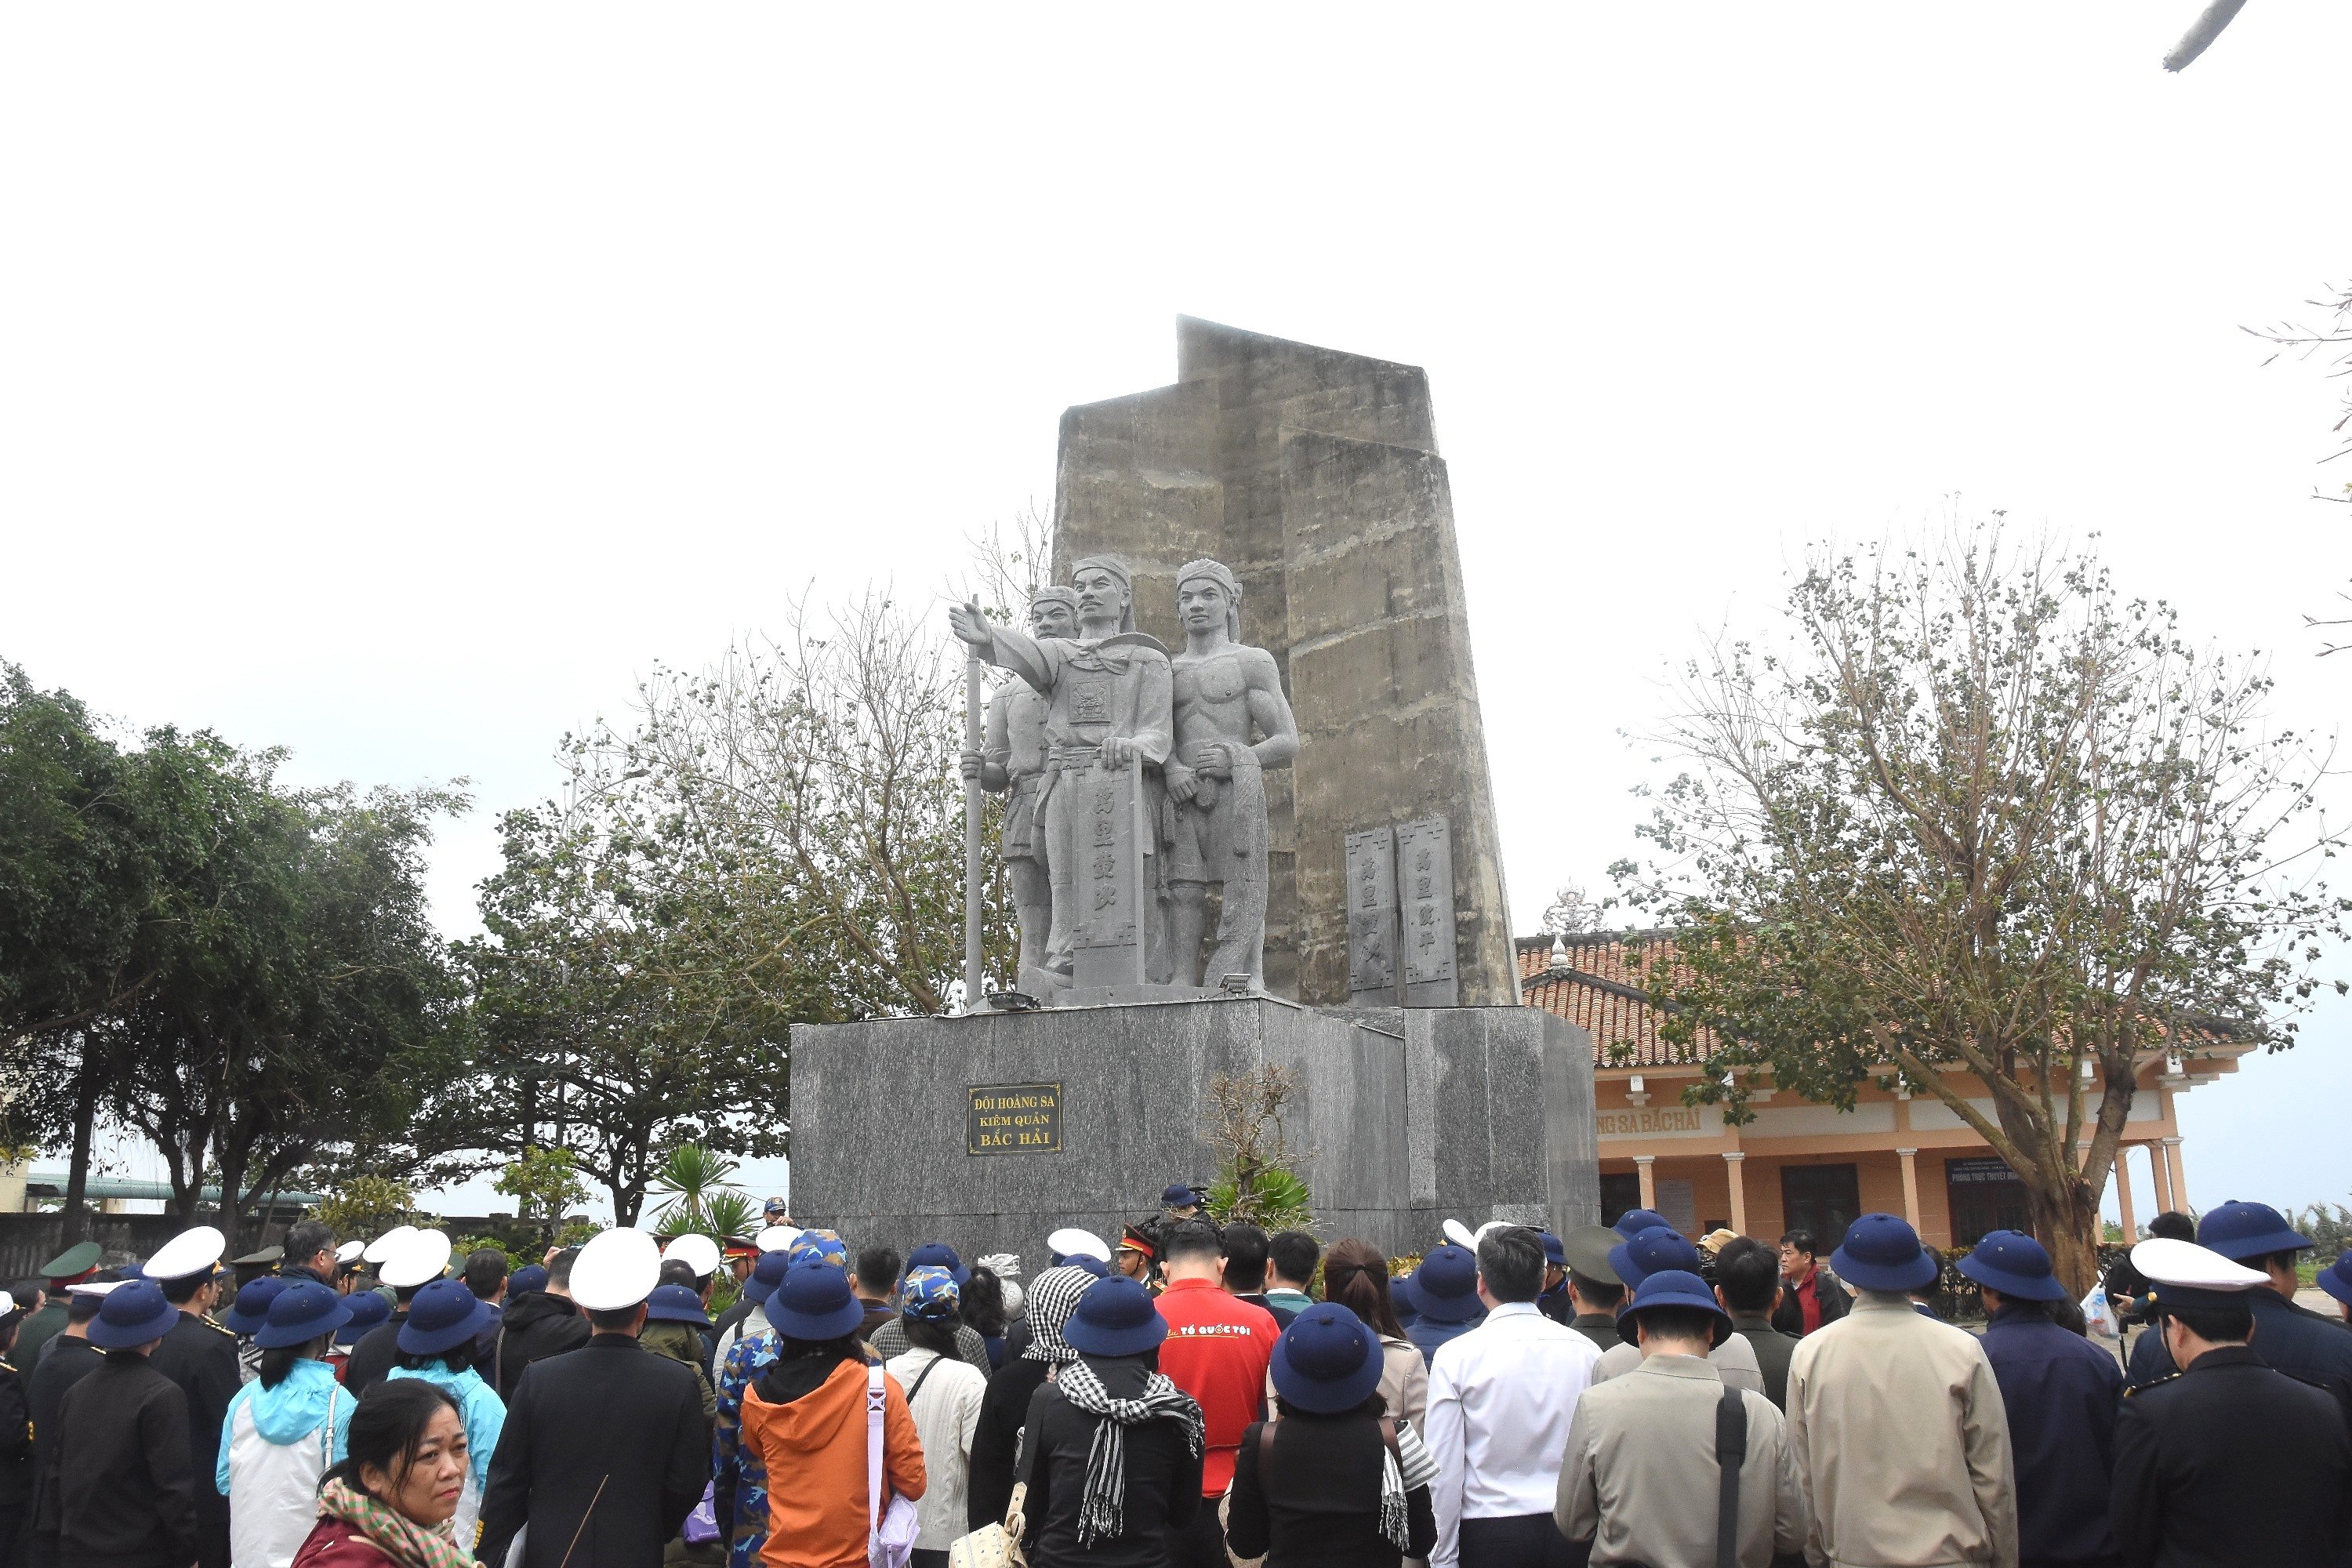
(1901, 1442)
(1734, 1361)
(1405, 1383)
(1640, 1481)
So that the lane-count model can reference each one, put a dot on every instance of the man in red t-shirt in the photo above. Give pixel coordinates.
(1216, 1350)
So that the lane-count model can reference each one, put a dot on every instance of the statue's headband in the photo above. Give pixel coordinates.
(1216, 571)
(1056, 595)
(1110, 563)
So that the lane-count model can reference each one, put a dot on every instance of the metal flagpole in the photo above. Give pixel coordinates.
(971, 997)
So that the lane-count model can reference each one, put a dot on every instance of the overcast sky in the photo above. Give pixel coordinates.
(397, 383)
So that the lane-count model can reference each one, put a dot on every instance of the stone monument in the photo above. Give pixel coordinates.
(1315, 476)
(1312, 760)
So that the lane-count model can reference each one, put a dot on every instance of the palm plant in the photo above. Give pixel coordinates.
(692, 1176)
(731, 1214)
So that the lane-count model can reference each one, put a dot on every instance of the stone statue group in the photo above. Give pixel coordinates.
(1134, 786)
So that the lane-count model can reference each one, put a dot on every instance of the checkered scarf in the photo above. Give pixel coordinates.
(1052, 1298)
(1102, 1506)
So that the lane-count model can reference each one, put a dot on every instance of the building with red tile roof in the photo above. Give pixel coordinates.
(1799, 1164)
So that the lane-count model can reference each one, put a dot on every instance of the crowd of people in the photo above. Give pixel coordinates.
(1193, 1395)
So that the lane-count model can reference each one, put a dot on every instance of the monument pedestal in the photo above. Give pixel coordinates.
(990, 1131)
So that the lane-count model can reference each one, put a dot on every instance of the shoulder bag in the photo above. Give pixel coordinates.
(889, 1535)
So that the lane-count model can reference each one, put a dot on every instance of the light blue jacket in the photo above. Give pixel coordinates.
(289, 1414)
(478, 1406)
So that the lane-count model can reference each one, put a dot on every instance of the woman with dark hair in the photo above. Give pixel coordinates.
(1332, 1482)
(285, 1429)
(437, 1344)
(390, 1500)
(1356, 1276)
(807, 1418)
(982, 1303)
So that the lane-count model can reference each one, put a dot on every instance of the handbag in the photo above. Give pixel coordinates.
(889, 1534)
(997, 1545)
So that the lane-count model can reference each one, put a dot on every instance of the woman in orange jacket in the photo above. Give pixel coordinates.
(806, 1419)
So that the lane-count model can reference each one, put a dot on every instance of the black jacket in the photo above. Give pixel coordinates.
(2227, 1464)
(995, 1436)
(1307, 1494)
(16, 1441)
(613, 1416)
(1281, 1315)
(127, 1491)
(200, 1356)
(66, 1361)
(534, 1326)
(1789, 1315)
(376, 1354)
(1164, 1478)
(2290, 1339)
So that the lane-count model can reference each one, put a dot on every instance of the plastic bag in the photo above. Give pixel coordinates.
(2097, 1314)
(702, 1525)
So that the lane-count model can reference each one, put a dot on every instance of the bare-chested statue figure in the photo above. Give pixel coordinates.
(1223, 691)
(1012, 762)
(1106, 722)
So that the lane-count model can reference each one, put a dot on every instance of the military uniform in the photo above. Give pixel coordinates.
(199, 1357)
(38, 1331)
(2229, 1463)
(67, 1268)
(70, 1359)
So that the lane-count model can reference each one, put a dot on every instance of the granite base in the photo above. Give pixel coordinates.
(1404, 1118)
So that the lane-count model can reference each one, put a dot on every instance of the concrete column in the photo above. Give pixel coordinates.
(1910, 1158)
(2180, 1174)
(1732, 1160)
(2124, 1193)
(2161, 1178)
(1645, 1164)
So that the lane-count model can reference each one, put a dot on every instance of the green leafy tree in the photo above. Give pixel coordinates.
(544, 1183)
(365, 1206)
(1982, 817)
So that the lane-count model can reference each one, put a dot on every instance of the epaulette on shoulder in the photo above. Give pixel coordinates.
(2324, 1387)
(2156, 1383)
(225, 1333)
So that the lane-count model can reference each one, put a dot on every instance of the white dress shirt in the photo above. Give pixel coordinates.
(1500, 1401)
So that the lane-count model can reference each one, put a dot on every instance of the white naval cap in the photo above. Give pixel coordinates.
(776, 1238)
(618, 1267)
(349, 1253)
(2187, 1275)
(1072, 1242)
(96, 1287)
(196, 1250)
(381, 1248)
(418, 1258)
(694, 1249)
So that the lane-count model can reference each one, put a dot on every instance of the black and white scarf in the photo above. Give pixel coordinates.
(1400, 1472)
(1102, 1507)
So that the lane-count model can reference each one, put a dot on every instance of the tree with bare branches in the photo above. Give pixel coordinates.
(1982, 817)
